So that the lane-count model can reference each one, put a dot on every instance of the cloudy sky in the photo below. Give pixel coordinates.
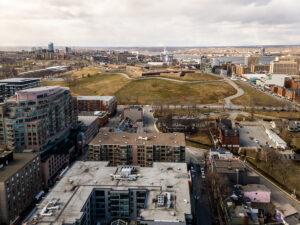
(149, 22)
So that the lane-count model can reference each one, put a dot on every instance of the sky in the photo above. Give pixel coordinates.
(149, 22)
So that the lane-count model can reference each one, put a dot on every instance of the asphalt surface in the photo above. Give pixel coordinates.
(199, 197)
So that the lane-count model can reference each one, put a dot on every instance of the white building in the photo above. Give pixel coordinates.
(272, 79)
(279, 143)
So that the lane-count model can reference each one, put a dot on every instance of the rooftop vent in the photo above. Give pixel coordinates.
(160, 200)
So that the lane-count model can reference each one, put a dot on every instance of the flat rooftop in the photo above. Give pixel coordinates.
(228, 166)
(124, 138)
(255, 187)
(38, 89)
(19, 161)
(87, 120)
(100, 98)
(82, 178)
(19, 80)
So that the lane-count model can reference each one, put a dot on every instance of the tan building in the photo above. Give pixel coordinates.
(20, 183)
(260, 68)
(284, 67)
(137, 148)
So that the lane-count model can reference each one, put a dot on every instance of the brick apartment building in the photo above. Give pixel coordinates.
(137, 148)
(20, 183)
(97, 103)
(228, 136)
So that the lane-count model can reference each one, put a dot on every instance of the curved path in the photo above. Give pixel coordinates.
(169, 79)
(227, 100)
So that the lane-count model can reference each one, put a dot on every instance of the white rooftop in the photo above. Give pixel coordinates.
(101, 98)
(19, 80)
(87, 120)
(83, 177)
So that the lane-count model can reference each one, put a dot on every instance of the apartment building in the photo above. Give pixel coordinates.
(34, 117)
(228, 136)
(284, 67)
(97, 103)
(141, 149)
(96, 193)
(101, 115)
(9, 87)
(20, 183)
(242, 69)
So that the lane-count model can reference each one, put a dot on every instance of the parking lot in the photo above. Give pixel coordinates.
(253, 136)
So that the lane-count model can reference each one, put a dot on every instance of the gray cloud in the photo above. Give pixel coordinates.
(148, 23)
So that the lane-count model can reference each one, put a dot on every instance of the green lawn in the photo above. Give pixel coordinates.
(150, 90)
(255, 97)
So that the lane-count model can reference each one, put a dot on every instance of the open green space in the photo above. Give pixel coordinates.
(192, 77)
(148, 91)
(256, 98)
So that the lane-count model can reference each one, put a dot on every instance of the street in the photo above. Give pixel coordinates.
(199, 197)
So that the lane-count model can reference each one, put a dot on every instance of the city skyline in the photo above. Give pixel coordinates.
(140, 23)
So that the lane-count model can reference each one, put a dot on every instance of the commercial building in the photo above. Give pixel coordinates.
(235, 171)
(284, 67)
(250, 60)
(34, 117)
(95, 193)
(20, 183)
(228, 136)
(279, 143)
(272, 80)
(97, 103)
(9, 87)
(260, 68)
(137, 148)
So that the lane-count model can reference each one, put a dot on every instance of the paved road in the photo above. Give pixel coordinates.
(239, 93)
(149, 120)
(199, 199)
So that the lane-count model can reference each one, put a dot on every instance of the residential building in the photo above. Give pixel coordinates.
(97, 103)
(220, 153)
(137, 148)
(34, 117)
(95, 193)
(20, 183)
(8, 87)
(228, 136)
(90, 128)
(257, 193)
(284, 67)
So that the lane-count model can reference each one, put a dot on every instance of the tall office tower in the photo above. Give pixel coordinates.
(34, 117)
(51, 47)
(20, 184)
(137, 148)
